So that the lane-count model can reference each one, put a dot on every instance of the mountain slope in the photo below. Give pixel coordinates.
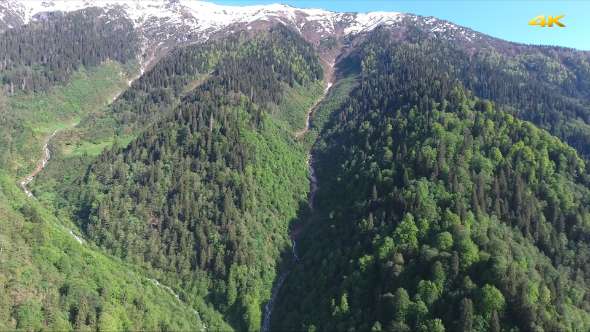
(451, 213)
(545, 85)
(49, 281)
(437, 211)
(162, 24)
(53, 72)
(204, 197)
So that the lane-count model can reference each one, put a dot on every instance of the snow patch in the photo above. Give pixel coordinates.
(369, 21)
(200, 16)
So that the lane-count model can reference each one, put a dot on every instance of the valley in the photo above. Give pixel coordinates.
(161, 171)
(313, 186)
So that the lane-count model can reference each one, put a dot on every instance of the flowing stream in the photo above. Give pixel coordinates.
(313, 186)
(46, 157)
(313, 183)
(42, 164)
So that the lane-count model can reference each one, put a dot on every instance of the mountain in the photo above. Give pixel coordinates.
(560, 75)
(269, 167)
(191, 198)
(436, 210)
(162, 24)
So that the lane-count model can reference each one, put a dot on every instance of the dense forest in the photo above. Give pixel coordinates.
(53, 70)
(549, 86)
(438, 211)
(203, 198)
(50, 282)
(454, 185)
(173, 78)
(38, 62)
(38, 55)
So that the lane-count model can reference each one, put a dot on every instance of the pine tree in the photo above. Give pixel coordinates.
(466, 320)
(81, 314)
(454, 265)
(495, 323)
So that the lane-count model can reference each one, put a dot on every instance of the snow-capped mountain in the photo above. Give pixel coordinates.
(204, 17)
(162, 24)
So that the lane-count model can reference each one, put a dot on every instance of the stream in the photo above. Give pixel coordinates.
(313, 187)
(46, 157)
(271, 303)
(313, 184)
(42, 164)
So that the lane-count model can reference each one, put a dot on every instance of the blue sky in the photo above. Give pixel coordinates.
(502, 19)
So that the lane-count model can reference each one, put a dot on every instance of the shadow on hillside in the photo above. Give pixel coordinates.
(287, 262)
(303, 215)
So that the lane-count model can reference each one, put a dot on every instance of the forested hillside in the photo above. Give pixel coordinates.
(173, 78)
(437, 211)
(49, 51)
(547, 85)
(54, 70)
(203, 198)
(171, 199)
(51, 282)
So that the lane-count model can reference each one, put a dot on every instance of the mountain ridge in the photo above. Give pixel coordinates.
(163, 24)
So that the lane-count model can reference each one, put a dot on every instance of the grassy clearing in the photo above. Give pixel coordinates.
(87, 90)
(80, 147)
(53, 126)
(297, 102)
(36, 116)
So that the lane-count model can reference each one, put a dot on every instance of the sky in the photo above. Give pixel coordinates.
(503, 19)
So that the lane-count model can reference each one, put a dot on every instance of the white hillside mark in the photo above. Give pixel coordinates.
(157, 283)
(47, 155)
(77, 238)
(29, 194)
(141, 71)
(46, 149)
(295, 256)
